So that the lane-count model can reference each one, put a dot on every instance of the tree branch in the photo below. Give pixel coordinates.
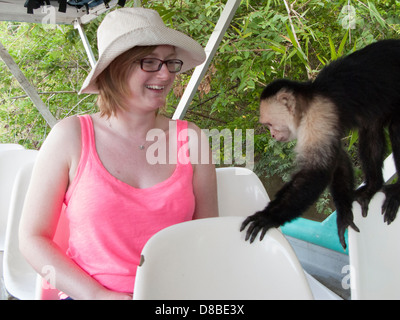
(47, 92)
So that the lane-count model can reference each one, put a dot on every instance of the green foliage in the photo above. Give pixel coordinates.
(266, 40)
(55, 63)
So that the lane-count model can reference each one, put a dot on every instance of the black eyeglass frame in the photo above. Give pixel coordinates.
(176, 62)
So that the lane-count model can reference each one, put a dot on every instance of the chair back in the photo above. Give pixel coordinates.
(240, 192)
(10, 146)
(11, 161)
(374, 254)
(19, 276)
(209, 259)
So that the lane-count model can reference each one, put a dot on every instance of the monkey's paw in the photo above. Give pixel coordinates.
(392, 202)
(260, 221)
(342, 224)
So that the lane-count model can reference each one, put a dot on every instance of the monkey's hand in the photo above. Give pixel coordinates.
(260, 221)
(392, 202)
(344, 221)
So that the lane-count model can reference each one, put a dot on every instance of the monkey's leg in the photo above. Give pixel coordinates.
(342, 189)
(392, 192)
(371, 151)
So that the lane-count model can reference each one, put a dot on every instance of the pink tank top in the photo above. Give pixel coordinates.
(111, 221)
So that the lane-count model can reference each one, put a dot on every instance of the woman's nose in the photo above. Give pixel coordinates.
(163, 72)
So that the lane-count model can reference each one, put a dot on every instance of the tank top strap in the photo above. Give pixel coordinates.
(182, 132)
(182, 142)
(87, 136)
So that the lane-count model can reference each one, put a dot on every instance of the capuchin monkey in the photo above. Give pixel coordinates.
(360, 91)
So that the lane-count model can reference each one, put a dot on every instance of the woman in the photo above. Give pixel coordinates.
(96, 169)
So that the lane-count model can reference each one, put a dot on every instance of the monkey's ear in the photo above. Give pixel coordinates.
(287, 99)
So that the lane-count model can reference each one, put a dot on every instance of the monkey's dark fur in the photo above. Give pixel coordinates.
(364, 88)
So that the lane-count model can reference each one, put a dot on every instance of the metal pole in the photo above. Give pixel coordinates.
(89, 52)
(211, 47)
(27, 86)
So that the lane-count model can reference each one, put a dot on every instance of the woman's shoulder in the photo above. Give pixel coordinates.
(193, 126)
(64, 137)
(67, 129)
(67, 124)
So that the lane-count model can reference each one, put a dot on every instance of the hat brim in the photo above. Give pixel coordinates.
(188, 50)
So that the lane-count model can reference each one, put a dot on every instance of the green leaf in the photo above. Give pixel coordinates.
(343, 43)
(291, 36)
(333, 50)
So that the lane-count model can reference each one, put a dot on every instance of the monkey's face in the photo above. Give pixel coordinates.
(278, 119)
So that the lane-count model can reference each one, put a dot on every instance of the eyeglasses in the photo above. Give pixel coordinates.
(154, 64)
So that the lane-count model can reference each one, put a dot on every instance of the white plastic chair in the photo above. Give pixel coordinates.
(209, 259)
(10, 163)
(374, 254)
(20, 279)
(240, 192)
(19, 276)
(10, 146)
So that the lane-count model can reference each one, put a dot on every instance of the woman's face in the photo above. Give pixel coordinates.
(149, 89)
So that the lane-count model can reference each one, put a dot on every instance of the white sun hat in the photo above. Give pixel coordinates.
(126, 28)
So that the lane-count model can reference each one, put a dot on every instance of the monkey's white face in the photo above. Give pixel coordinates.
(278, 119)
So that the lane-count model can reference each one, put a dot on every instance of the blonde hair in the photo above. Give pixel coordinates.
(113, 81)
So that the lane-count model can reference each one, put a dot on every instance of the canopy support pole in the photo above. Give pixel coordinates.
(27, 86)
(89, 52)
(211, 47)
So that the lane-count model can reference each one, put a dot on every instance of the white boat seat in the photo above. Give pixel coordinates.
(374, 254)
(209, 259)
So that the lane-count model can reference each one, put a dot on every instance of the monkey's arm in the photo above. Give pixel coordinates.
(291, 201)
